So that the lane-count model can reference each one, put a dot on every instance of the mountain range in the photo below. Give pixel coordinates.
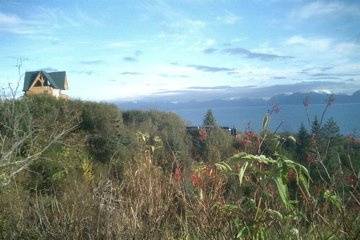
(280, 99)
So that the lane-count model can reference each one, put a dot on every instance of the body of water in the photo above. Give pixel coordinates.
(347, 116)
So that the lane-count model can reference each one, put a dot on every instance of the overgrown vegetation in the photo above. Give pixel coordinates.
(81, 170)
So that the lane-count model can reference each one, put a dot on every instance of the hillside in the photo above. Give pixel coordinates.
(82, 170)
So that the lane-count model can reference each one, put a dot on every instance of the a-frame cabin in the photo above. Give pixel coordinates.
(41, 82)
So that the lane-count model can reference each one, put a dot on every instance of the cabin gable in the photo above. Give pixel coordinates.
(41, 82)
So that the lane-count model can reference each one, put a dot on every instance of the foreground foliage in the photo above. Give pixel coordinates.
(82, 170)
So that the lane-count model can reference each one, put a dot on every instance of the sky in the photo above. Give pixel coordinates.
(117, 49)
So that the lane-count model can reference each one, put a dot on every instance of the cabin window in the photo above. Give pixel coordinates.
(38, 84)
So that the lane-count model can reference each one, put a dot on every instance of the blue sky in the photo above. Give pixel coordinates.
(115, 49)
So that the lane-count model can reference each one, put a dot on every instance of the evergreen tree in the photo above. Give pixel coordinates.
(315, 127)
(303, 143)
(330, 130)
(209, 119)
(332, 147)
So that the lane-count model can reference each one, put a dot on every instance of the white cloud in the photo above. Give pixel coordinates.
(347, 48)
(184, 26)
(257, 74)
(347, 68)
(6, 19)
(210, 42)
(195, 24)
(13, 24)
(229, 18)
(172, 19)
(44, 20)
(120, 89)
(319, 44)
(323, 8)
(170, 69)
(200, 44)
(86, 19)
(119, 44)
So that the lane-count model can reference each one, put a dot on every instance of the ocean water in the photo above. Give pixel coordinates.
(347, 116)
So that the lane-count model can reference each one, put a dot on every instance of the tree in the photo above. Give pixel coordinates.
(332, 146)
(315, 127)
(303, 143)
(330, 130)
(209, 119)
(23, 139)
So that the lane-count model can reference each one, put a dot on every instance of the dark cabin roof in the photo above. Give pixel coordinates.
(56, 79)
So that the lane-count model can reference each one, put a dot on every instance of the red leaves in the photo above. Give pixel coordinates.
(203, 135)
(311, 158)
(199, 177)
(351, 180)
(177, 174)
(291, 176)
(203, 177)
(196, 180)
(249, 141)
(353, 140)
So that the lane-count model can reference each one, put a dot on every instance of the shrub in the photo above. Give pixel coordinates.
(101, 118)
(103, 125)
(46, 176)
(170, 128)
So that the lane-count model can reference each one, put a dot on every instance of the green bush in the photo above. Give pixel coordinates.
(101, 118)
(170, 128)
(46, 176)
(211, 143)
(218, 145)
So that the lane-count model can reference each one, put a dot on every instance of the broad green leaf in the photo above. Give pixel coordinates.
(275, 213)
(243, 232)
(251, 157)
(304, 182)
(333, 198)
(242, 172)
(260, 158)
(283, 191)
(229, 207)
(291, 138)
(223, 166)
(238, 156)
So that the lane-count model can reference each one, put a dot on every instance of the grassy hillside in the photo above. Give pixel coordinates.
(84, 170)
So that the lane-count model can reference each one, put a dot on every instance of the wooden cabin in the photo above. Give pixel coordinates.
(41, 82)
